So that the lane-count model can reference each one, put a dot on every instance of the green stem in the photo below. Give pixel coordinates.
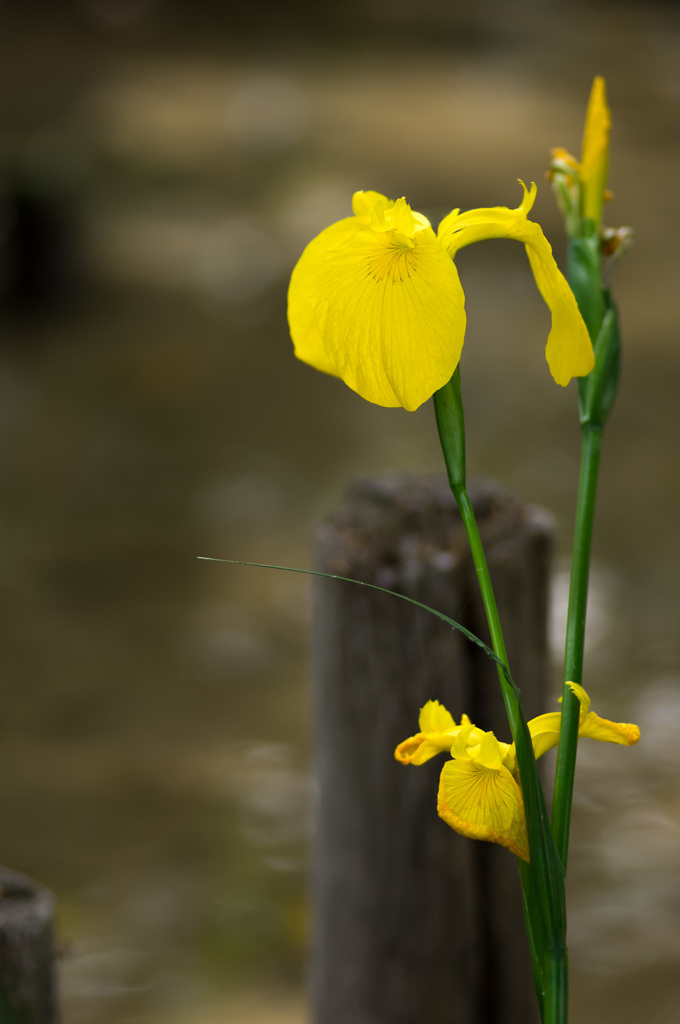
(534, 924)
(576, 628)
(448, 407)
(556, 986)
(550, 971)
(479, 559)
(542, 880)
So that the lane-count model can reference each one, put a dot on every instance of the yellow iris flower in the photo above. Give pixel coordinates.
(479, 793)
(375, 299)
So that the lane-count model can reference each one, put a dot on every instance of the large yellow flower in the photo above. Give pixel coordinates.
(479, 794)
(376, 300)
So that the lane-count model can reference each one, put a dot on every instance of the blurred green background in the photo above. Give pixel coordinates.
(163, 165)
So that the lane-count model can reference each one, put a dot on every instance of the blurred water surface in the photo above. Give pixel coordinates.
(163, 167)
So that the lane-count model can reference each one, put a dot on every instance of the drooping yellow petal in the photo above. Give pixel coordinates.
(420, 748)
(376, 300)
(595, 152)
(545, 730)
(609, 732)
(569, 351)
(596, 728)
(437, 733)
(460, 229)
(483, 803)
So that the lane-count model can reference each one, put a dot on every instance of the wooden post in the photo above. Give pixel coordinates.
(413, 923)
(27, 958)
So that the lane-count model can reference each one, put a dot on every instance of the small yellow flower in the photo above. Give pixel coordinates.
(479, 794)
(376, 300)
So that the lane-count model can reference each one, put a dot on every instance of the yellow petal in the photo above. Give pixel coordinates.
(596, 728)
(466, 732)
(376, 300)
(582, 697)
(609, 732)
(437, 733)
(545, 732)
(595, 152)
(408, 749)
(490, 754)
(460, 229)
(370, 207)
(304, 329)
(569, 351)
(420, 748)
(483, 803)
(435, 718)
